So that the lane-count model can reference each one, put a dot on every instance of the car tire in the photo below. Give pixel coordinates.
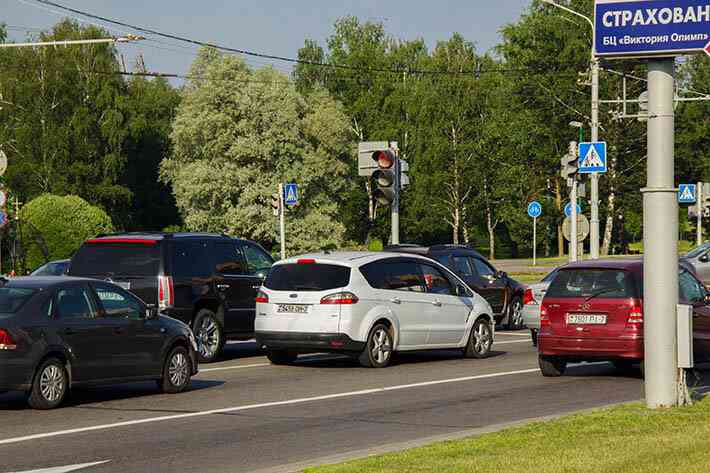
(281, 357)
(209, 335)
(480, 340)
(378, 349)
(515, 314)
(533, 335)
(552, 366)
(177, 371)
(50, 385)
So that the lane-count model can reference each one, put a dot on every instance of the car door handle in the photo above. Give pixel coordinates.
(436, 303)
(222, 286)
(256, 287)
(395, 300)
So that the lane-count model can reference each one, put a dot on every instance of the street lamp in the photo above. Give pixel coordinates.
(71, 42)
(579, 125)
(594, 65)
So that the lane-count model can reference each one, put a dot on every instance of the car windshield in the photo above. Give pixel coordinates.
(307, 277)
(13, 298)
(698, 250)
(124, 259)
(591, 283)
(54, 268)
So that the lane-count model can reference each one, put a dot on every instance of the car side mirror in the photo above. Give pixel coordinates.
(704, 258)
(461, 291)
(707, 298)
(261, 274)
(501, 274)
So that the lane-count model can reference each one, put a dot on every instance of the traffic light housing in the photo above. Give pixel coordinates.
(385, 176)
(570, 162)
(276, 203)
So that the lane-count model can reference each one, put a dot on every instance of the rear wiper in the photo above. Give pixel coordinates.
(599, 293)
(306, 288)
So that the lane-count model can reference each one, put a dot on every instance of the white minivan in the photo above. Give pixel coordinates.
(368, 305)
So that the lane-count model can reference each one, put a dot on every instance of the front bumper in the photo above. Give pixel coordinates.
(308, 342)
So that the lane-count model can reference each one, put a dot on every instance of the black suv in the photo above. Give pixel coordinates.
(504, 294)
(208, 281)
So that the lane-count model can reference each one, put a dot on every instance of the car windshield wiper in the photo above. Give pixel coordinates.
(599, 293)
(306, 288)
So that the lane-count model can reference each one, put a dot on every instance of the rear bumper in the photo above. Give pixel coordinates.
(308, 342)
(590, 348)
(15, 375)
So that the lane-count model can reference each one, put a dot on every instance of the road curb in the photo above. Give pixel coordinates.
(400, 446)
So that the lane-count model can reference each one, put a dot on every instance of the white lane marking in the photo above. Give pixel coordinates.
(259, 406)
(512, 341)
(65, 469)
(234, 367)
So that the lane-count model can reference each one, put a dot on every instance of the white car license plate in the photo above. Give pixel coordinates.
(586, 319)
(292, 309)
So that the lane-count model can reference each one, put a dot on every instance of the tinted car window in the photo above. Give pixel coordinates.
(51, 269)
(482, 268)
(690, 290)
(257, 260)
(698, 251)
(124, 259)
(307, 277)
(75, 303)
(117, 303)
(13, 298)
(462, 265)
(227, 259)
(436, 282)
(550, 276)
(605, 283)
(399, 276)
(191, 260)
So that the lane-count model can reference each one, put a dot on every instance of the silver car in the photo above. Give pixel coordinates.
(699, 258)
(532, 300)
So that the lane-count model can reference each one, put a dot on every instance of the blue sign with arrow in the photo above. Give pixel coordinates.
(687, 194)
(642, 28)
(290, 194)
(592, 157)
(568, 210)
(534, 209)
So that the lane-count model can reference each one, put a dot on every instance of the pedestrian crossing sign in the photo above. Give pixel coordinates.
(686, 194)
(592, 157)
(291, 194)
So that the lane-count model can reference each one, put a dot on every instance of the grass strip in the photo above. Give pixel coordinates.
(621, 439)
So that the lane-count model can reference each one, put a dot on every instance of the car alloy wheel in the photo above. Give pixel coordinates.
(207, 336)
(515, 315)
(382, 346)
(480, 341)
(52, 383)
(178, 369)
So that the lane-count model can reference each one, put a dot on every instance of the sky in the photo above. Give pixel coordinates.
(276, 27)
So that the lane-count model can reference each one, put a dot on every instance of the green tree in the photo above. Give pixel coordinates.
(64, 223)
(237, 134)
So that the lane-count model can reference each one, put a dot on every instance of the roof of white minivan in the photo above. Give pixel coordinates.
(347, 258)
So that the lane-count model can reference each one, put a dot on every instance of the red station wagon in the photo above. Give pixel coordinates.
(593, 311)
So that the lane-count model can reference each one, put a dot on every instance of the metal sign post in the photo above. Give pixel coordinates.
(534, 211)
(699, 231)
(282, 221)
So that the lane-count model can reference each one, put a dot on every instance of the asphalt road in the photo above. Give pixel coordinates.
(243, 414)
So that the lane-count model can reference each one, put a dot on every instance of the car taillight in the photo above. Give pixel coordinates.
(166, 295)
(6, 341)
(544, 317)
(342, 298)
(262, 297)
(306, 261)
(635, 318)
(529, 297)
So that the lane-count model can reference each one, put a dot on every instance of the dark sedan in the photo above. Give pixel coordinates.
(59, 332)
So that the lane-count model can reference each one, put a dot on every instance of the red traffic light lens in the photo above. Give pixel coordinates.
(384, 159)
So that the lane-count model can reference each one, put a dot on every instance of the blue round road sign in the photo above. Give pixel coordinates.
(568, 210)
(3, 218)
(534, 209)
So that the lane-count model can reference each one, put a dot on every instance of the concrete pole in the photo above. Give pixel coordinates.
(699, 207)
(660, 238)
(594, 179)
(397, 191)
(282, 221)
(573, 247)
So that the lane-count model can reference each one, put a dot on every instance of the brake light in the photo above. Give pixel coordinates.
(306, 261)
(262, 297)
(544, 317)
(6, 341)
(166, 295)
(340, 298)
(634, 320)
(529, 297)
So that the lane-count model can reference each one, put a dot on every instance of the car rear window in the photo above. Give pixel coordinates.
(307, 277)
(13, 298)
(604, 283)
(120, 259)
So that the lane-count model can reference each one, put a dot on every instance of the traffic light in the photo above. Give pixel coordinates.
(570, 162)
(385, 176)
(706, 197)
(276, 203)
